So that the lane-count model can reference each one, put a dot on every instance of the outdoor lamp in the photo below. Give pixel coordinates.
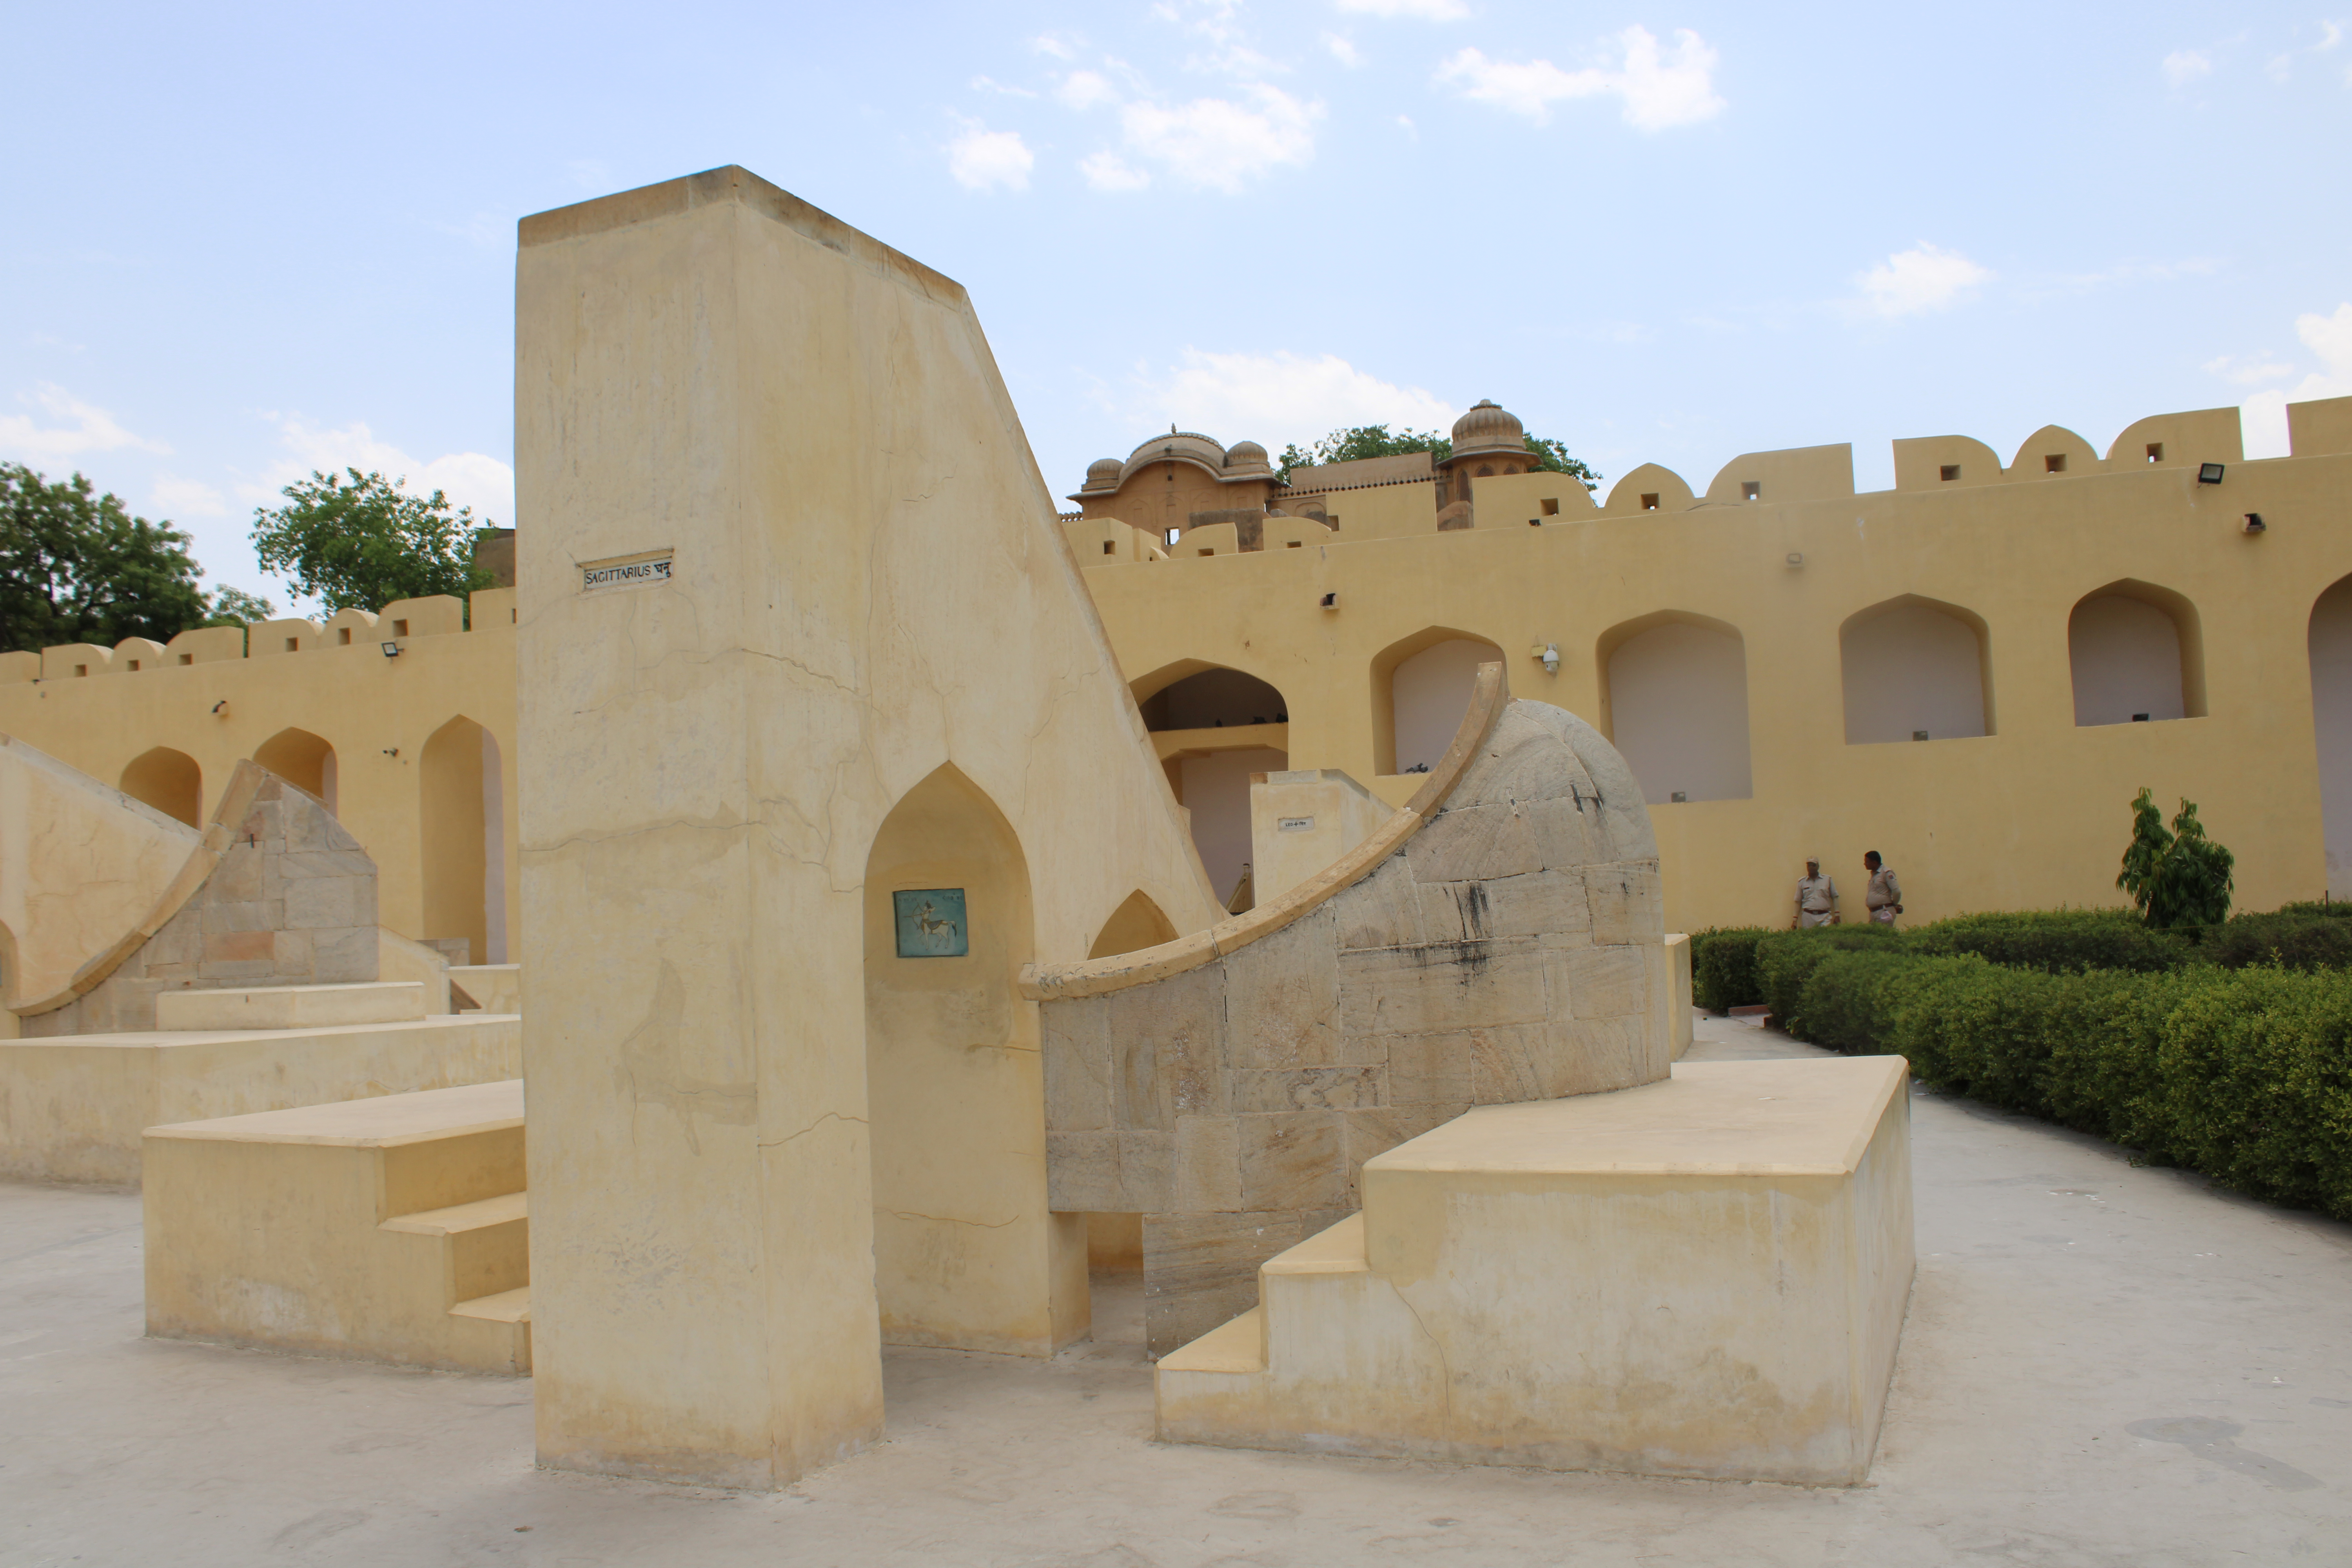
(2209, 473)
(391, 650)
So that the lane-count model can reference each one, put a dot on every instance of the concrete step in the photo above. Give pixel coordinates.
(383, 1217)
(506, 1307)
(291, 1006)
(487, 1243)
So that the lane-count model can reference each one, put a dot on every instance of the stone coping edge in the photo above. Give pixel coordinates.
(1489, 695)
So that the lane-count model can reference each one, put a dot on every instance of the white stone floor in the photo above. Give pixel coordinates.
(2103, 1366)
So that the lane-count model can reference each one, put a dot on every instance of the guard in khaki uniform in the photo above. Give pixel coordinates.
(1885, 895)
(1816, 897)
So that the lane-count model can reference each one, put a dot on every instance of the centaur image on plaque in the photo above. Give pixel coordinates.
(931, 923)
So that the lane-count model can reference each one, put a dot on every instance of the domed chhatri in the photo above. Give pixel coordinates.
(1246, 457)
(1488, 430)
(1102, 474)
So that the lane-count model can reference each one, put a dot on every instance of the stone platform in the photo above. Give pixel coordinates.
(1701, 1276)
(72, 1108)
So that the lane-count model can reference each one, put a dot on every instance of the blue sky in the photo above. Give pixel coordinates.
(245, 242)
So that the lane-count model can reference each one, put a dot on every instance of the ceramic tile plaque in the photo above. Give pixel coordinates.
(931, 923)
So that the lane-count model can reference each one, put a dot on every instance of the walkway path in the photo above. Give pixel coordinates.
(2104, 1368)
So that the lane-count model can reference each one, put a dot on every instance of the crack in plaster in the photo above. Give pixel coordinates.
(828, 1116)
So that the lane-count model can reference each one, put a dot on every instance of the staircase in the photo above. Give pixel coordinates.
(394, 1228)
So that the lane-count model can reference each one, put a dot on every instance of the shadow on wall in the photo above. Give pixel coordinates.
(461, 795)
(303, 759)
(2138, 656)
(1137, 922)
(2330, 644)
(1421, 688)
(168, 780)
(1915, 669)
(1674, 701)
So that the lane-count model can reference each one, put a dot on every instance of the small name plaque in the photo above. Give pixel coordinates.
(640, 571)
(1296, 825)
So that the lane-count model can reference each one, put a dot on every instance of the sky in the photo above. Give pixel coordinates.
(245, 242)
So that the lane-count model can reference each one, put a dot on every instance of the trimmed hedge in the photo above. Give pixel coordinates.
(1723, 967)
(2057, 942)
(2244, 1075)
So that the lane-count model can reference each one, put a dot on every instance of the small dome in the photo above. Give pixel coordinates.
(1487, 429)
(1246, 454)
(1102, 474)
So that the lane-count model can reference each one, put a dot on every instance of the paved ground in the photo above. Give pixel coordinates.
(2103, 1366)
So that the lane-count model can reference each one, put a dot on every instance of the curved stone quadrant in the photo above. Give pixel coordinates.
(1507, 947)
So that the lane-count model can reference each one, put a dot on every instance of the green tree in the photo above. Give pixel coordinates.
(2178, 878)
(77, 566)
(1379, 441)
(236, 607)
(362, 544)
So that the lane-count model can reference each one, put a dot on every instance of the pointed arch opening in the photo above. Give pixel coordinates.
(303, 759)
(1916, 668)
(1421, 688)
(965, 1253)
(2137, 655)
(1674, 699)
(1213, 726)
(2330, 650)
(1136, 925)
(461, 839)
(168, 779)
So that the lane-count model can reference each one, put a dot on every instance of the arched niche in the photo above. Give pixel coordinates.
(167, 780)
(1202, 696)
(1136, 925)
(2137, 653)
(965, 1254)
(1916, 668)
(1674, 699)
(2330, 648)
(1421, 688)
(303, 759)
(461, 795)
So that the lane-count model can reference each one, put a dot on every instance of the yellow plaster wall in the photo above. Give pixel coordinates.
(377, 713)
(2030, 816)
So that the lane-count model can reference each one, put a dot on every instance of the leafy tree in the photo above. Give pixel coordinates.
(1379, 441)
(2178, 877)
(236, 607)
(77, 566)
(363, 544)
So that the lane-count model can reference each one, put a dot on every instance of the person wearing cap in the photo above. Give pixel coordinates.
(1886, 894)
(1816, 897)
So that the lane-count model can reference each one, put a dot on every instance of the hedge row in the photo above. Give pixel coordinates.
(1726, 973)
(2245, 1075)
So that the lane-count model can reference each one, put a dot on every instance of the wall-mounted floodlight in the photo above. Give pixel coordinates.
(391, 650)
(1548, 655)
(2209, 473)
(1796, 560)
(2254, 523)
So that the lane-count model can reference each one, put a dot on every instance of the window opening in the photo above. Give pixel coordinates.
(1650, 502)
(1751, 490)
(1552, 506)
(1951, 471)
(400, 628)
(293, 645)
(2056, 463)
(2156, 451)
(1296, 545)
(343, 636)
(187, 658)
(1107, 547)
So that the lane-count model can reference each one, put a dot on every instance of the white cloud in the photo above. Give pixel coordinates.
(1106, 170)
(2248, 370)
(1220, 143)
(179, 498)
(1277, 397)
(982, 158)
(1056, 46)
(2330, 35)
(1410, 128)
(1083, 89)
(1427, 10)
(1346, 53)
(91, 429)
(2182, 66)
(468, 478)
(2262, 417)
(990, 84)
(1661, 89)
(1928, 278)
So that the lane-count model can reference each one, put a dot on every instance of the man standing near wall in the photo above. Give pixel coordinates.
(1816, 897)
(1886, 894)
